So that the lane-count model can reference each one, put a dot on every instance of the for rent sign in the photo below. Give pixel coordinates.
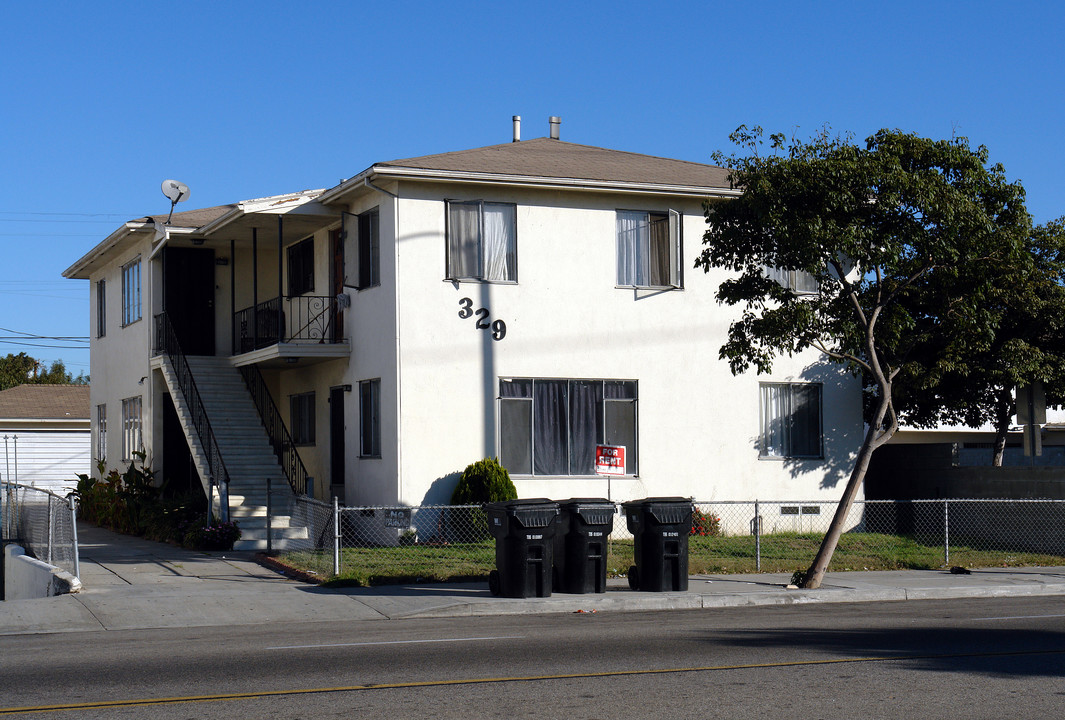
(610, 459)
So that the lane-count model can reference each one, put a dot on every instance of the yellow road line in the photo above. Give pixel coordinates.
(109, 704)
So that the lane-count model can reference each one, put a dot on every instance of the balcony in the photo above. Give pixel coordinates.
(285, 330)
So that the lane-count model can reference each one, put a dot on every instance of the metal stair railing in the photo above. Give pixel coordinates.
(280, 438)
(167, 342)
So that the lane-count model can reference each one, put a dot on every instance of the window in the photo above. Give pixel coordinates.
(799, 281)
(369, 249)
(301, 267)
(131, 292)
(131, 427)
(370, 418)
(791, 420)
(101, 308)
(482, 241)
(649, 249)
(301, 415)
(101, 432)
(551, 427)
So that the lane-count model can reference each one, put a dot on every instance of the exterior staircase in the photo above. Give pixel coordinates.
(245, 449)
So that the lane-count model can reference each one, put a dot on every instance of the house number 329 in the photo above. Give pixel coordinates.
(498, 327)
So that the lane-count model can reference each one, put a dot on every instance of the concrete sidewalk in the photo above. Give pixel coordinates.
(131, 584)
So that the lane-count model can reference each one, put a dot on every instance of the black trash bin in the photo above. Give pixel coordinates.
(524, 531)
(660, 528)
(584, 526)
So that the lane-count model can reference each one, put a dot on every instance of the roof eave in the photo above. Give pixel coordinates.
(79, 270)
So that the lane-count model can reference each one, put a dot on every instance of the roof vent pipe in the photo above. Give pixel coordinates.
(517, 128)
(555, 122)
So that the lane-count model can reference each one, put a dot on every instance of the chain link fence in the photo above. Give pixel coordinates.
(42, 522)
(369, 544)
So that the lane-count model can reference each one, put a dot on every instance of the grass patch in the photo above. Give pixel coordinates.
(780, 553)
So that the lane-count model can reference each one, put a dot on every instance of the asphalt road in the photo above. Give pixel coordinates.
(988, 658)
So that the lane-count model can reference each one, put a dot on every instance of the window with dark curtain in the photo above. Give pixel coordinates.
(551, 427)
(370, 418)
(369, 249)
(301, 417)
(301, 267)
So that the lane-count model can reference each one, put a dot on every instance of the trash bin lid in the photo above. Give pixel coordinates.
(592, 511)
(663, 510)
(530, 512)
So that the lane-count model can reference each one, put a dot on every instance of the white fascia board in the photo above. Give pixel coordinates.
(9, 423)
(80, 269)
(550, 182)
(355, 182)
(275, 205)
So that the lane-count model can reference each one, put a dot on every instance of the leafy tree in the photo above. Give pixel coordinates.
(883, 230)
(21, 369)
(1028, 346)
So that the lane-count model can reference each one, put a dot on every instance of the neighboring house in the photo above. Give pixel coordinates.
(528, 301)
(45, 429)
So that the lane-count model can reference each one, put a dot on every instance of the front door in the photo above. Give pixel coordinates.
(188, 297)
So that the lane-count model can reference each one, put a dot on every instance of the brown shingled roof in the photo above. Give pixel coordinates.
(45, 402)
(547, 158)
(193, 218)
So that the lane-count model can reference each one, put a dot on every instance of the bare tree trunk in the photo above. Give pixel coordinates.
(1003, 412)
(817, 569)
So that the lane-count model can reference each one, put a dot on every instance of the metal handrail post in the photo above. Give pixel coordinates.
(74, 536)
(336, 536)
(51, 529)
(269, 522)
(946, 532)
(757, 538)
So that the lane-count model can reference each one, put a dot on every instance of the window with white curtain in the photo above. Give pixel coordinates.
(482, 241)
(131, 427)
(649, 249)
(798, 281)
(551, 426)
(791, 420)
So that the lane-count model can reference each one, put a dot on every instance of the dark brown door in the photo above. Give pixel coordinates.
(188, 297)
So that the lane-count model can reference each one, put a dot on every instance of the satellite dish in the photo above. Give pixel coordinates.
(177, 192)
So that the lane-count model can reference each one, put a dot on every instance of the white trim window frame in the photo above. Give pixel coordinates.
(131, 292)
(791, 421)
(650, 249)
(549, 427)
(482, 241)
(132, 440)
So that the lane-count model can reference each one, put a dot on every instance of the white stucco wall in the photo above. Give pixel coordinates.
(121, 357)
(698, 425)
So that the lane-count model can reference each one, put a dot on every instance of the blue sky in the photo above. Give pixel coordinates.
(100, 102)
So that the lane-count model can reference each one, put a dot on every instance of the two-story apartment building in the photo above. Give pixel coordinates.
(528, 301)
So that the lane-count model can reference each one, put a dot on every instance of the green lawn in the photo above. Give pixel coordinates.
(781, 552)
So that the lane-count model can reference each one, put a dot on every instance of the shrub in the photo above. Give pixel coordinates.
(211, 536)
(705, 524)
(482, 482)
